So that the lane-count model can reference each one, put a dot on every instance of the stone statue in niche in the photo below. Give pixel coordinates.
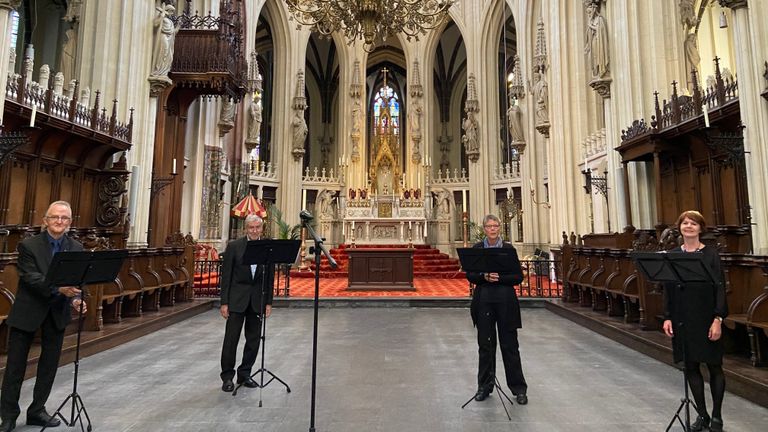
(325, 203)
(515, 121)
(299, 126)
(227, 116)
(254, 114)
(597, 42)
(692, 57)
(470, 138)
(416, 120)
(541, 93)
(165, 36)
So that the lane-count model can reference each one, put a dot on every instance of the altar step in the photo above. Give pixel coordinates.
(428, 263)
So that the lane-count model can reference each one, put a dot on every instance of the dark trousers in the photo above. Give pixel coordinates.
(235, 323)
(490, 317)
(19, 343)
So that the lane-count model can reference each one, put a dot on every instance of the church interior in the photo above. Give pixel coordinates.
(586, 126)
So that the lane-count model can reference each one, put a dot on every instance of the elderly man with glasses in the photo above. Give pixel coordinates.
(495, 305)
(38, 306)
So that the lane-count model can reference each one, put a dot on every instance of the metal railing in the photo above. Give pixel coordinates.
(538, 280)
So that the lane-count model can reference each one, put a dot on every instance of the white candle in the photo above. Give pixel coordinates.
(353, 226)
(303, 199)
(703, 108)
(32, 117)
(530, 183)
(173, 170)
(585, 163)
(464, 200)
(425, 229)
(409, 225)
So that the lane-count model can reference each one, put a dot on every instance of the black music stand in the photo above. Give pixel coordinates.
(268, 253)
(490, 260)
(81, 268)
(676, 269)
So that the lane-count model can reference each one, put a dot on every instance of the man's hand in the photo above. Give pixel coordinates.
(224, 309)
(268, 310)
(76, 305)
(492, 277)
(69, 291)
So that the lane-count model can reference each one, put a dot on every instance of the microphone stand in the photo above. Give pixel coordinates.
(306, 217)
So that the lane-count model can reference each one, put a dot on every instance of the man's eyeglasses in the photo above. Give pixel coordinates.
(491, 226)
(59, 218)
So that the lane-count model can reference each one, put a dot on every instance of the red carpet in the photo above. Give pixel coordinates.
(337, 287)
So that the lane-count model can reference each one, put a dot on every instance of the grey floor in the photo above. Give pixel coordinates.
(380, 369)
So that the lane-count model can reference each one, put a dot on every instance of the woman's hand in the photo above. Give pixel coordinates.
(715, 330)
(667, 326)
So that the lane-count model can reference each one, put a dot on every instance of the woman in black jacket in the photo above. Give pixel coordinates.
(495, 305)
(693, 317)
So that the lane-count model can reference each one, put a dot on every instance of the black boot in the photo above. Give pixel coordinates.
(701, 423)
(716, 425)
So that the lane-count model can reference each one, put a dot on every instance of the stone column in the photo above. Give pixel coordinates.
(6, 6)
(754, 112)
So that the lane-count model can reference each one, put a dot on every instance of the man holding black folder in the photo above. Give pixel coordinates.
(38, 305)
(241, 305)
(495, 304)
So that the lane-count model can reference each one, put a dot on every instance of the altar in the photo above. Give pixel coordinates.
(384, 221)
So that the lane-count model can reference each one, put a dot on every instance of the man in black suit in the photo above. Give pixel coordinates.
(38, 305)
(495, 304)
(241, 305)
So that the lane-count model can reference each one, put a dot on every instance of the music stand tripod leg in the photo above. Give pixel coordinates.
(685, 402)
(78, 407)
(502, 395)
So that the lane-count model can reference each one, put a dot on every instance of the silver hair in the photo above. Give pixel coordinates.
(491, 217)
(253, 218)
(59, 203)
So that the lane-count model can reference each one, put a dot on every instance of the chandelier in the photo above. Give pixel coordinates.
(370, 20)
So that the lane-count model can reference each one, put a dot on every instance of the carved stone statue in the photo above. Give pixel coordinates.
(44, 76)
(470, 138)
(415, 123)
(165, 36)
(443, 204)
(68, 53)
(687, 14)
(692, 57)
(299, 129)
(254, 114)
(356, 118)
(597, 42)
(227, 116)
(541, 93)
(515, 122)
(325, 203)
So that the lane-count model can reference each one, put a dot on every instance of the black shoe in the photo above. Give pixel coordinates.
(228, 386)
(42, 419)
(482, 393)
(248, 382)
(716, 425)
(522, 399)
(701, 423)
(7, 425)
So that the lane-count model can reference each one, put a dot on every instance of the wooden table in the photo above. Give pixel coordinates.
(380, 269)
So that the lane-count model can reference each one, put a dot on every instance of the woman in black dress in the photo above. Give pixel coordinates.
(693, 317)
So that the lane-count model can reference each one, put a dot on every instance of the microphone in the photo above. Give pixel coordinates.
(305, 216)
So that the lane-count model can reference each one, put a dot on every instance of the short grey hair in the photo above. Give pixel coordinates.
(491, 217)
(253, 218)
(59, 203)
